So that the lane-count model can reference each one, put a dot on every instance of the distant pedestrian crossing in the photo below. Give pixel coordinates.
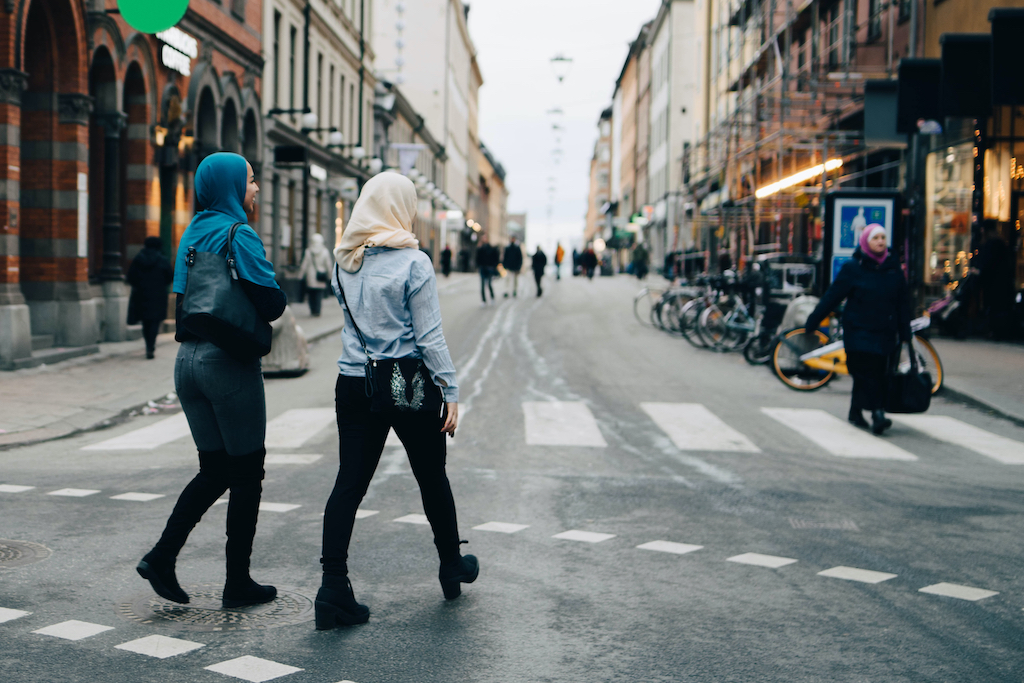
(689, 426)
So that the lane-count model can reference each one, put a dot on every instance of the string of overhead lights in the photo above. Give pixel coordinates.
(399, 43)
(561, 66)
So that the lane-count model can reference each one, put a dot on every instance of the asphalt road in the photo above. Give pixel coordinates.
(546, 608)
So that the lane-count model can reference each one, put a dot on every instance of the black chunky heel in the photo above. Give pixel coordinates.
(452, 576)
(336, 605)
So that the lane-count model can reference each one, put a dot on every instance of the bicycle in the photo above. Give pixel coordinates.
(805, 363)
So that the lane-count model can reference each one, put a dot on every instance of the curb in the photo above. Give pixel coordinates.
(967, 399)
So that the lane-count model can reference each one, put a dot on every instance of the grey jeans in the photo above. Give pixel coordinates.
(222, 398)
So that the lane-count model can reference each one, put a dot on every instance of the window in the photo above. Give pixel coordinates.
(874, 19)
(320, 89)
(341, 107)
(904, 9)
(238, 9)
(351, 113)
(277, 59)
(330, 98)
(291, 71)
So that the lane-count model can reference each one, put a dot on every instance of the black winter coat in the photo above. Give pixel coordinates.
(487, 256)
(513, 258)
(149, 275)
(540, 262)
(877, 313)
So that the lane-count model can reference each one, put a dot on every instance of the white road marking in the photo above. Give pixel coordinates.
(854, 574)
(669, 547)
(836, 436)
(291, 459)
(140, 497)
(393, 440)
(584, 536)
(692, 427)
(14, 488)
(160, 647)
(7, 614)
(501, 527)
(73, 630)
(561, 423)
(278, 507)
(147, 438)
(759, 560)
(955, 590)
(954, 431)
(73, 493)
(292, 428)
(412, 519)
(363, 514)
(253, 669)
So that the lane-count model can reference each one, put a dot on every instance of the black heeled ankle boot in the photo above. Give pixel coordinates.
(159, 571)
(464, 569)
(336, 604)
(243, 508)
(857, 418)
(879, 422)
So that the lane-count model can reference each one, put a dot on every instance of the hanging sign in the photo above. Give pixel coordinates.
(178, 51)
(147, 16)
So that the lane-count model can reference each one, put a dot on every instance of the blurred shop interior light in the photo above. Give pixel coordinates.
(800, 177)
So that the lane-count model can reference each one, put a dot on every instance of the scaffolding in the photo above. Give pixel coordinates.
(785, 93)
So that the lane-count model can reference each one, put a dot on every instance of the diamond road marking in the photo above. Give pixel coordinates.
(278, 507)
(955, 590)
(14, 488)
(73, 630)
(585, 536)
(7, 614)
(670, 547)
(160, 647)
(363, 514)
(291, 459)
(854, 574)
(74, 493)
(253, 669)
(501, 527)
(759, 560)
(413, 519)
(140, 497)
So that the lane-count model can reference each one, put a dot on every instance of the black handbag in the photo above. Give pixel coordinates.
(321, 276)
(395, 385)
(216, 308)
(909, 392)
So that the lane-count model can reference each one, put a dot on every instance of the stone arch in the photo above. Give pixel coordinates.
(206, 129)
(252, 129)
(139, 201)
(203, 76)
(230, 138)
(66, 16)
(139, 51)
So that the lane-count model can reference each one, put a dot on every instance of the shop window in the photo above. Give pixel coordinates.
(950, 179)
(874, 19)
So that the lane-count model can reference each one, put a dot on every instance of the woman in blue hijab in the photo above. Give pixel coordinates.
(221, 394)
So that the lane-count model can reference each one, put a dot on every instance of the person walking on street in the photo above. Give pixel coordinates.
(994, 265)
(316, 270)
(446, 260)
(540, 262)
(559, 257)
(875, 321)
(149, 274)
(512, 260)
(221, 392)
(640, 261)
(388, 291)
(589, 262)
(487, 262)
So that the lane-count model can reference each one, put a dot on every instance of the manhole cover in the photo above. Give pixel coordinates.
(19, 553)
(204, 612)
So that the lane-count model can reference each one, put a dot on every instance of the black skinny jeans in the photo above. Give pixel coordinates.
(362, 435)
(870, 372)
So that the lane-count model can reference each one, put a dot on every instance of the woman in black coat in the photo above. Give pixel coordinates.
(149, 275)
(876, 320)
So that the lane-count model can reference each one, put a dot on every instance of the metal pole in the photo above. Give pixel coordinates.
(913, 28)
(305, 108)
(362, 68)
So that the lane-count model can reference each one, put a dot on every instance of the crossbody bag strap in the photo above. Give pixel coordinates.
(231, 251)
(337, 275)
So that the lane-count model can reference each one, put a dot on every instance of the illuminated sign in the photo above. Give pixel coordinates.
(178, 51)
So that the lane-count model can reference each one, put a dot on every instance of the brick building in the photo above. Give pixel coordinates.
(102, 128)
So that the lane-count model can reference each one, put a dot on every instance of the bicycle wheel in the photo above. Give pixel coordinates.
(759, 350)
(788, 367)
(928, 359)
(688, 318)
(643, 307)
(671, 312)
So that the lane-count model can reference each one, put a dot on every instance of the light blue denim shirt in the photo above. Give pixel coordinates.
(394, 297)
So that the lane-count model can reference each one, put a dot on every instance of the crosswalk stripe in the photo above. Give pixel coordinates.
(855, 574)
(253, 669)
(836, 436)
(669, 547)
(413, 519)
(584, 536)
(692, 427)
(759, 560)
(147, 438)
(959, 433)
(73, 493)
(73, 630)
(8, 614)
(561, 423)
(158, 646)
(138, 497)
(14, 488)
(501, 527)
(955, 590)
(294, 427)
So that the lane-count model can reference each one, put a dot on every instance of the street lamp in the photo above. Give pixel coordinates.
(561, 64)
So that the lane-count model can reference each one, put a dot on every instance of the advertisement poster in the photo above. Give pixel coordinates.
(849, 218)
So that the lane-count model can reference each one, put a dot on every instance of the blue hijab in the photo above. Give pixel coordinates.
(220, 184)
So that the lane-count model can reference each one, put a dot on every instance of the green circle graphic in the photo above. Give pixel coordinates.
(152, 16)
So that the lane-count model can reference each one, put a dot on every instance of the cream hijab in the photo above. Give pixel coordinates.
(382, 217)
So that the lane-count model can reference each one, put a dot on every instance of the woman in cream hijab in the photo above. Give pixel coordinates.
(388, 289)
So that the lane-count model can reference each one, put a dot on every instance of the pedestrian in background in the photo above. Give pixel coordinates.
(487, 262)
(149, 274)
(512, 260)
(446, 260)
(315, 270)
(389, 293)
(589, 262)
(559, 257)
(994, 265)
(540, 262)
(220, 392)
(875, 321)
(640, 261)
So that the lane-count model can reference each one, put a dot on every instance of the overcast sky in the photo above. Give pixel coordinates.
(515, 39)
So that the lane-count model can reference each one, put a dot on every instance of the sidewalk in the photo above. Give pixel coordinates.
(53, 401)
(988, 375)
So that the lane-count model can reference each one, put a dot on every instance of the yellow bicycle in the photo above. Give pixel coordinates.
(805, 363)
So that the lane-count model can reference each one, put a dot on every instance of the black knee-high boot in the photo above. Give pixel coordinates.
(243, 508)
(204, 489)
